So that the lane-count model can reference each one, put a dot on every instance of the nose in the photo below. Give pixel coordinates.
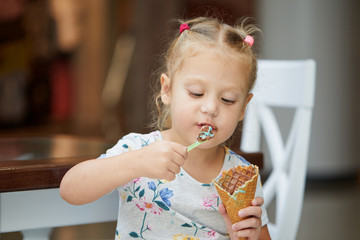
(210, 106)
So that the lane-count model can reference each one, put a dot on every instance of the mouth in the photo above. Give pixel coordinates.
(200, 125)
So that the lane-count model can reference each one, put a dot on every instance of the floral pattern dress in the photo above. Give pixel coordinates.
(180, 209)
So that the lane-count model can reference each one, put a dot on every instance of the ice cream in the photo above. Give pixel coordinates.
(236, 188)
(205, 133)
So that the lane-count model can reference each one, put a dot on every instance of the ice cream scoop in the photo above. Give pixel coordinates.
(204, 135)
(236, 188)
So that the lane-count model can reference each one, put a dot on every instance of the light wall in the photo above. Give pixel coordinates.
(327, 31)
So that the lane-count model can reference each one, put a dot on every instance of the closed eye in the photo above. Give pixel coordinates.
(227, 101)
(194, 94)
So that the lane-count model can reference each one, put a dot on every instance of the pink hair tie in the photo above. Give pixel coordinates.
(184, 27)
(249, 40)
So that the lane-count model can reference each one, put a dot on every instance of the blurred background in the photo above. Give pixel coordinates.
(84, 67)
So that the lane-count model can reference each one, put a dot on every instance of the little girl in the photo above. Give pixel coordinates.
(166, 192)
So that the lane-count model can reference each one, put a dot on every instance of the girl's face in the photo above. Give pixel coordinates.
(207, 89)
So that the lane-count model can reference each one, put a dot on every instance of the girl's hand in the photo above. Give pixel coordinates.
(250, 227)
(161, 160)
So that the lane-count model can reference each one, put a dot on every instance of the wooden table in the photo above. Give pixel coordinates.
(29, 163)
(31, 169)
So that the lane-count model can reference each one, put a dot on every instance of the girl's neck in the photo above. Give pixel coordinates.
(205, 165)
(206, 156)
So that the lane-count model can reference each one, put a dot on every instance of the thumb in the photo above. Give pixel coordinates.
(223, 213)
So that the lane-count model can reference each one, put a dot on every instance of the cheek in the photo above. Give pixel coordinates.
(182, 104)
(229, 123)
(178, 115)
(184, 113)
(180, 112)
(229, 130)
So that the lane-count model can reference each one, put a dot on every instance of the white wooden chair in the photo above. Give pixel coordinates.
(291, 85)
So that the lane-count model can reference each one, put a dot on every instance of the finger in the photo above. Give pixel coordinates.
(258, 201)
(180, 149)
(222, 209)
(245, 234)
(248, 223)
(170, 176)
(255, 211)
(173, 168)
(178, 159)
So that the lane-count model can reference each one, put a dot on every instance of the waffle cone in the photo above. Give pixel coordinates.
(242, 195)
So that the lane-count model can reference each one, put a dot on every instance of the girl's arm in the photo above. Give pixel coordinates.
(90, 180)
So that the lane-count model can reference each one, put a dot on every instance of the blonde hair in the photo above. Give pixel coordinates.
(204, 33)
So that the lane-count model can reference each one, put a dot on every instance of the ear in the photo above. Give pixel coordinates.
(247, 100)
(165, 89)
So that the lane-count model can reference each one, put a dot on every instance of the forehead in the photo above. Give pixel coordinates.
(212, 65)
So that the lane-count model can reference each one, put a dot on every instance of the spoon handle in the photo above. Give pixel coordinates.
(194, 145)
